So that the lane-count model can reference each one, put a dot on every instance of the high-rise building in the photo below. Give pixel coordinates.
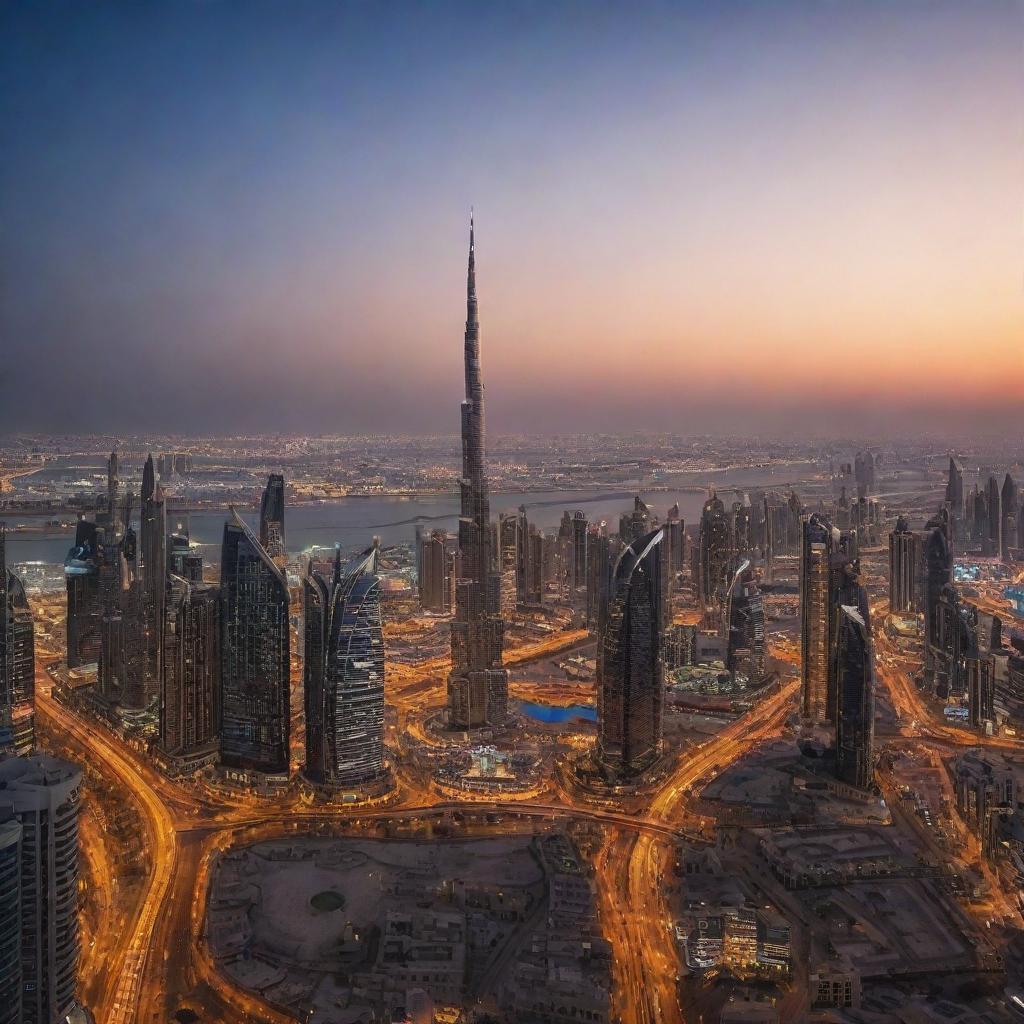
(477, 683)
(17, 663)
(434, 582)
(113, 483)
(578, 572)
(255, 656)
(814, 618)
(153, 544)
(630, 666)
(344, 674)
(905, 569)
(190, 673)
(675, 539)
(182, 560)
(272, 519)
(856, 696)
(10, 921)
(993, 504)
(42, 794)
(825, 559)
(938, 562)
(714, 552)
(955, 491)
(84, 609)
(508, 547)
(1007, 517)
(599, 569)
(864, 473)
(122, 667)
(743, 625)
(739, 528)
(635, 523)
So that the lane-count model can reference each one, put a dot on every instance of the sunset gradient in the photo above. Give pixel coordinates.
(689, 217)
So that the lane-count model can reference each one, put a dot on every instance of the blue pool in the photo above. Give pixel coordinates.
(555, 714)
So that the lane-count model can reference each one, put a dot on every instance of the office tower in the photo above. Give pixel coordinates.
(1007, 517)
(10, 921)
(535, 566)
(112, 488)
(905, 576)
(477, 684)
(434, 584)
(153, 542)
(938, 560)
(1020, 528)
(739, 528)
(578, 577)
(855, 718)
(979, 669)
(743, 625)
(82, 583)
(635, 523)
(714, 552)
(994, 509)
(955, 490)
(630, 668)
(17, 663)
(255, 656)
(344, 673)
(272, 519)
(819, 540)
(182, 560)
(508, 545)
(42, 794)
(864, 473)
(190, 673)
(122, 665)
(599, 569)
(675, 534)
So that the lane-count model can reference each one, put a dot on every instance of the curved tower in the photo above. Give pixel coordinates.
(631, 676)
(344, 674)
(477, 683)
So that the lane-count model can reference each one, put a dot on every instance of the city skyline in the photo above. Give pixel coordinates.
(231, 213)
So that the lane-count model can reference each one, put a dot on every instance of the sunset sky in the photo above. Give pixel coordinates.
(707, 217)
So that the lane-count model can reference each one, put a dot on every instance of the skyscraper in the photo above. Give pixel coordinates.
(938, 562)
(634, 524)
(344, 674)
(122, 668)
(272, 519)
(153, 542)
(905, 560)
(508, 547)
(477, 684)
(714, 552)
(255, 656)
(822, 543)
(434, 584)
(190, 673)
(955, 490)
(630, 667)
(743, 625)
(43, 794)
(578, 575)
(1007, 517)
(84, 609)
(993, 503)
(856, 695)
(17, 663)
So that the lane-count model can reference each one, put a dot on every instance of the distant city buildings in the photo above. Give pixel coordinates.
(855, 686)
(630, 665)
(715, 548)
(344, 673)
(272, 519)
(743, 625)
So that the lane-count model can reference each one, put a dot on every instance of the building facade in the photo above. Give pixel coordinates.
(255, 655)
(344, 674)
(630, 664)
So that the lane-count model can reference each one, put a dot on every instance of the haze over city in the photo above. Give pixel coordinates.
(511, 513)
(691, 217)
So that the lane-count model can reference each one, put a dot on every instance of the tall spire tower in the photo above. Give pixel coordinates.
(477, 685)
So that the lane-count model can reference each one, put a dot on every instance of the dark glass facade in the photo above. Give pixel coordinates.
(255, 656)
